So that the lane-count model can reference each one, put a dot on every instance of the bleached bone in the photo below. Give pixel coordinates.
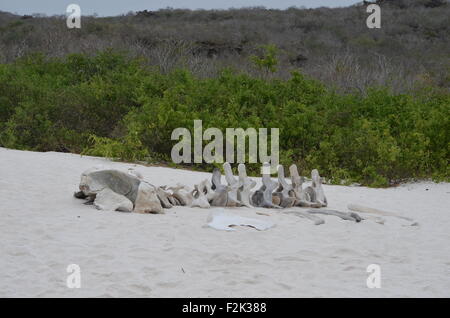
(285, 191)
(304, 197)
(183, 194)
(365, 209)
(276, 199)
(232, 183)
(318, 188)
(263, 196)
(177, 202)
(80, 195)
(199, 198)
(373, 218)
(349, 216)
(94, 180)
(107, 199)
(317, 220)
(246, 184)
(172, 200)
(206, 187)
(310, 196)
(221, 198)
(220, 220)
(147, 200)
(169, 195)
(135, 173)
(163, 197)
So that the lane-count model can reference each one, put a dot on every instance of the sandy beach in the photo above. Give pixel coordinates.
(43, 229)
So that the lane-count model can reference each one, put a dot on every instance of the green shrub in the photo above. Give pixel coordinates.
(128, 148)
(108, 105)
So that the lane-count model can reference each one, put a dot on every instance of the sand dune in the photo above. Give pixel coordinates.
(43, 229)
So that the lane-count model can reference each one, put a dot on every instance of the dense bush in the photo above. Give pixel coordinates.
(111, 106)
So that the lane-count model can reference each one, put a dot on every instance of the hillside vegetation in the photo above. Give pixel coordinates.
(111, 106)
(361, 105)
(331, 45)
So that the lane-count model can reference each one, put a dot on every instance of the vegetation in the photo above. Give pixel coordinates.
(331, 45)
(362, 105)
(108, 104)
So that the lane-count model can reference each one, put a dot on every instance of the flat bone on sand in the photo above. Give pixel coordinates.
(365, 209)
(317, 220)
(348, 216)
(221, 220)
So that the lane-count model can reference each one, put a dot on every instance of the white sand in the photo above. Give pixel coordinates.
(44, 229)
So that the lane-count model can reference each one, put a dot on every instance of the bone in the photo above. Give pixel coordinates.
(229, 174)
(108, 200)
(135, 173)
(80, 195)
(163, 197)
(276, 198)
(318, 188)
(147, 200)
(246, 184)
(172, 200)
(263, 196)
(95, 180)
(199, 198)
(223, 197)
(365, 209)
(309, 198)
(317, 220)
(285, 190)
(375, 219)
(232, 183)
(221, 220)
(182, 194)
(177, 202)
(348, 216)
(206, 187)
(304, 197)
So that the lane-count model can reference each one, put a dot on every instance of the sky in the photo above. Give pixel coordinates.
(116, 7)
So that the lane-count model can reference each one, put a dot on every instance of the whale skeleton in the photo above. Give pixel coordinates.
(245, 186)
(223, 197)
(129, 188)
(285, 191)
(304, 197)
(263, 196)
